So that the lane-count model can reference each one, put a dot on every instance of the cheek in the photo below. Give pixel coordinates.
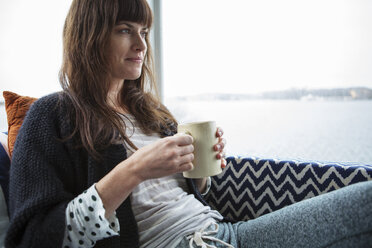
(111, 57)
(116, 50)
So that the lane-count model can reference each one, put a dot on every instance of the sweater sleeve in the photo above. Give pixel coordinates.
(37, 188)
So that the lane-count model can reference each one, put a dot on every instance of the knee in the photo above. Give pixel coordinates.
(362, 190)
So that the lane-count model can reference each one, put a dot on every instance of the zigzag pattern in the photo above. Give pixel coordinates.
(251, 187)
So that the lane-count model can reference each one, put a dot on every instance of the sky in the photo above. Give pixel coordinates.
(249, 46)
(210, 46)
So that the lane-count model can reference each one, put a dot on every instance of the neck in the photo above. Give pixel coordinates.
(112, 97)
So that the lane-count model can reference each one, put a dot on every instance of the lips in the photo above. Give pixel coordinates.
(135, 60)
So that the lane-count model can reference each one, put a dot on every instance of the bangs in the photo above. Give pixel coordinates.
(135, 11)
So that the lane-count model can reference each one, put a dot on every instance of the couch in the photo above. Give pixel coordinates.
(248, 187)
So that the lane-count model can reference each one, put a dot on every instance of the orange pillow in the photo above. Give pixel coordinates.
(16, 107)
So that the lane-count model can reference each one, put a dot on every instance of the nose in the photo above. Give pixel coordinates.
(139, 43)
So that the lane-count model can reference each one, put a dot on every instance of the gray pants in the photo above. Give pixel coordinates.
(341, 218)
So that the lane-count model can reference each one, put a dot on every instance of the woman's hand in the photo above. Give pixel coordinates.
(220, 147)
(164, 157)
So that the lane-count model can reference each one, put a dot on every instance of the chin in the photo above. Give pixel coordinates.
(133, 75)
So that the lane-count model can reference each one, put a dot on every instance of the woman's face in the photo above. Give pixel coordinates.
(127, 50)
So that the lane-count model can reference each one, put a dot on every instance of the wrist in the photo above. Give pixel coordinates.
(132, 165)
(116, 186)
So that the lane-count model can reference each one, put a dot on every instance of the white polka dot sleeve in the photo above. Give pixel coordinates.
(86, 222)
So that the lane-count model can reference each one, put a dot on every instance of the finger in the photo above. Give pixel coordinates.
(223, 141)
(183, 150)
(221, 155)
(219, 132)
(221, 145)
(223, 163)
(183, 139)
(188, 158)
(185, 167)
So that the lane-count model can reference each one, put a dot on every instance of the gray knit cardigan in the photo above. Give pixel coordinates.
(46, 174)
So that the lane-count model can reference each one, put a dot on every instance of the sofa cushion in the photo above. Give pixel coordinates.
(4, 172)
(4, 219)
(16, 107)
(4, 193)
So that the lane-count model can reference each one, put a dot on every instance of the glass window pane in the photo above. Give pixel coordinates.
(221, 58)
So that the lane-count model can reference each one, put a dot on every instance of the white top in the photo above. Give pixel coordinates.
(164, 211)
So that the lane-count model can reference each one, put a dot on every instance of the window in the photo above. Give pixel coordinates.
(30, 48)
(284, 79)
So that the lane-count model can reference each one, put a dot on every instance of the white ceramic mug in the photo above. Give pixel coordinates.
(205, 162)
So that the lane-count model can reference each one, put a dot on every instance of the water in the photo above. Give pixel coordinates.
(336, 131)
(333, 131)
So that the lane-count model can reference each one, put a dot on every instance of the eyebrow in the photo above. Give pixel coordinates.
(130, 25)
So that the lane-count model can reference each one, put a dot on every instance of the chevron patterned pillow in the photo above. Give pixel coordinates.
(251, 187)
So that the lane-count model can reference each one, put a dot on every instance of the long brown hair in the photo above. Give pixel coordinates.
(85, 74)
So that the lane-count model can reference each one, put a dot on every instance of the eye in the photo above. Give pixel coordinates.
(124, 31)
(144, 34)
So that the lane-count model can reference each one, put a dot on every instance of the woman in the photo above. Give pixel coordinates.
(97, 165)
(86, 146)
